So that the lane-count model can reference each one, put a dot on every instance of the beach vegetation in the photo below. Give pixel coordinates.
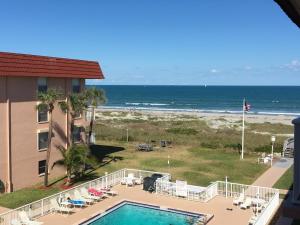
(182, 130)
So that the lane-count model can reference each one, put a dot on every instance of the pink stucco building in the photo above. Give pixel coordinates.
(23, 130)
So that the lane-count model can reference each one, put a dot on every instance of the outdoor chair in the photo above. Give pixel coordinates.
(26, 221)
(246, 204)
(78, 196)
(239, 200)
(252, 220)
(15, 222)
(58, 208)
(75, 202)
(84, 193)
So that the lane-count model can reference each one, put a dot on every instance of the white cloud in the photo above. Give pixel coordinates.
(248, 67)
(214, 71)
(293, 65)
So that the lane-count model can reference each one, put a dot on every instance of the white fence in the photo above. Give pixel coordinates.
(42, 207)
(191, 192)
(163, 187)
(269, 195)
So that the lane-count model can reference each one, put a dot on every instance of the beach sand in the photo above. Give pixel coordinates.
(212, 119)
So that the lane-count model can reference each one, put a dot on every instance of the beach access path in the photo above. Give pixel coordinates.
(272, 175)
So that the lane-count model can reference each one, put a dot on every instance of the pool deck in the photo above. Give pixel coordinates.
(217, 206)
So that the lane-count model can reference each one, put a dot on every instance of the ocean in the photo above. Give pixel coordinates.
(223, 99)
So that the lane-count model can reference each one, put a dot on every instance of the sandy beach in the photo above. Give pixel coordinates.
(212, 119)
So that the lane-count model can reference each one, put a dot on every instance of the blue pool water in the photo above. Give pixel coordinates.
(133, 214)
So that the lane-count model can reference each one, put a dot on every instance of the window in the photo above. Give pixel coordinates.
(43, 115)
(42, 84)
(77, 115)
(77, 134)
(43, 140)
(42, 167)
(75, 85)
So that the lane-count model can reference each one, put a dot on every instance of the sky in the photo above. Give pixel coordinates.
(160, 42)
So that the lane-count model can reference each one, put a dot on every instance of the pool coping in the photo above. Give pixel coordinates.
(146, 205)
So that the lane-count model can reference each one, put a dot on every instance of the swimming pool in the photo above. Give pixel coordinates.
(131, 213)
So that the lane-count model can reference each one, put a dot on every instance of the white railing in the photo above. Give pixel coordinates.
(267, 213)
(191, 192)
(229, 189)
(43, 206)
(164, 187)
(269, 195)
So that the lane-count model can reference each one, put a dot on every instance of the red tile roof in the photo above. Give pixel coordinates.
(14, 64)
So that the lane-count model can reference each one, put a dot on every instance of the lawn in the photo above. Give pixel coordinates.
(25, 196)
(199, 153)
(286, 180)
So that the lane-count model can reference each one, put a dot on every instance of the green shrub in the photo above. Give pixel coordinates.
(234, 146)
(212, 145)
(267, 148)
(181, 130)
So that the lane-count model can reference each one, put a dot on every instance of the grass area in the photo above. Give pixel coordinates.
(286, 180)
(25, 196)
(199, 154)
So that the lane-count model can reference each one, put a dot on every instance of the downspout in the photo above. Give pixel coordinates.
(9, 187)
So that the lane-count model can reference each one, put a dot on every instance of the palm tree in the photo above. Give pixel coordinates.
(73, 159)
(77, 103)
(47, 100)
(94, 97)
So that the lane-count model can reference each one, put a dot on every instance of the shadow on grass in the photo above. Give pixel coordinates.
(102, 153)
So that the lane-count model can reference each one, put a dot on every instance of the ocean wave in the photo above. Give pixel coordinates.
(146, 103)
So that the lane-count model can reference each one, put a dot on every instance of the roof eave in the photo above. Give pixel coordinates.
(291, 9)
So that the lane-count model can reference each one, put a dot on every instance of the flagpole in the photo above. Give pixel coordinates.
(243, 130)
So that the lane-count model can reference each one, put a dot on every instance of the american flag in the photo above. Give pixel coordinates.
(247, 107)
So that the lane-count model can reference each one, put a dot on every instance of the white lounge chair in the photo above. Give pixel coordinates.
(58, 208)
(239, 200)
(26, 221)
(79, 197)
(252, 220)
(74, 202)
(246, 204)
(138, 181)
(129, 182)
(15, 222)
(84, 193)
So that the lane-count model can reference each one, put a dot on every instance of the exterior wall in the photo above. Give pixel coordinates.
(24, 128)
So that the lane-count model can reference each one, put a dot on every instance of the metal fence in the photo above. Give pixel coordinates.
(42, 207)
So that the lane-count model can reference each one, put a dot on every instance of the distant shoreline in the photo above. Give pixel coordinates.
(214, 119)
(174, 110)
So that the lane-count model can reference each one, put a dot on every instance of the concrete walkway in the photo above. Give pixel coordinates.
(270, 177)
(2, 209)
